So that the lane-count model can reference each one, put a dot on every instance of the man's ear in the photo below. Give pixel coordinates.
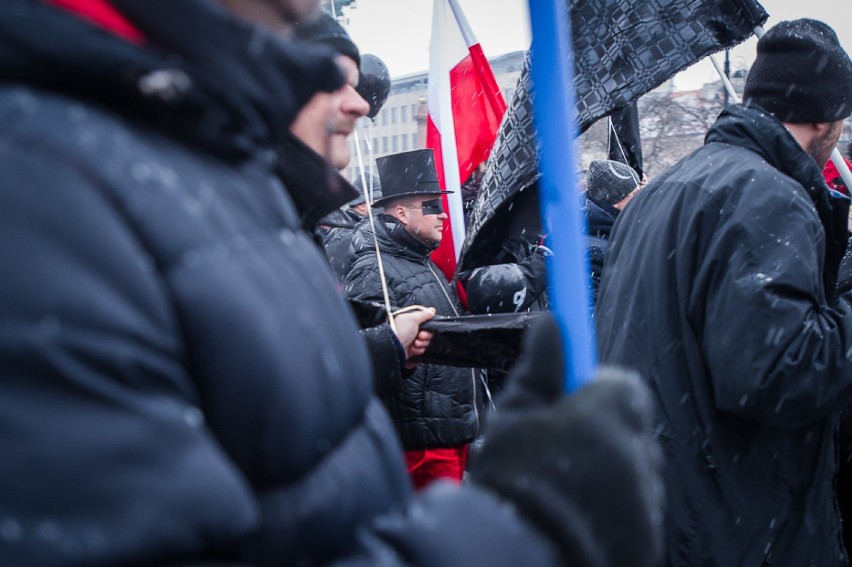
(401, 213)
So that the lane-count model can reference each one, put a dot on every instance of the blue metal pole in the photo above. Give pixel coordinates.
(553, 108)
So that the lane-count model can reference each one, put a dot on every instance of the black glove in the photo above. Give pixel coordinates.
(584, 468)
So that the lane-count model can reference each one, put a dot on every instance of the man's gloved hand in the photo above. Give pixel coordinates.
(583, 468)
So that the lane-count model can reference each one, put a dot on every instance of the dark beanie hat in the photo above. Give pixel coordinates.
(801, 74)
(328, 31)
(610, 181)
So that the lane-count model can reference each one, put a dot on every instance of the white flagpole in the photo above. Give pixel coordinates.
(464, 26)
(382, 278)
(449, 151)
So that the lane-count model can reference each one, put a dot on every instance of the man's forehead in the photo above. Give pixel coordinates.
(349, 68)
(297, 10)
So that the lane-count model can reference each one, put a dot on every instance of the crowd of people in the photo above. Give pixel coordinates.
(181, 379)
(184, 380)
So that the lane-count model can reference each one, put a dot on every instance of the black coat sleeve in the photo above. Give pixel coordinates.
(507, 288)
(388, 357)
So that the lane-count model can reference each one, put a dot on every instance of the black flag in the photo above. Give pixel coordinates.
(625, 142)
(622, 49)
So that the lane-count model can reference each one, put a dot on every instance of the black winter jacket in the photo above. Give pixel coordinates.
(599, 217)
(437, 406)
(337, 242)
(719, 289)
(181, 382)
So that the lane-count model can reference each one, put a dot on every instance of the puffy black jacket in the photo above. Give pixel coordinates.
(181, 381)
(719, 289)
(518, 283)
(337, 242)
(437, 406)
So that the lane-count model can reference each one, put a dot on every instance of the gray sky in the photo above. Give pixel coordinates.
(398, 31)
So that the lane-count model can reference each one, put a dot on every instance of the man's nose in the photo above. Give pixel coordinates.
(356, 104)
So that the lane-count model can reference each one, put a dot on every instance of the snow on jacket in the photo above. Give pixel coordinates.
(720, 290)
(437, 406)
(181, 381)
(337, 242)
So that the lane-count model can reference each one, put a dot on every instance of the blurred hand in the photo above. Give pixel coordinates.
(414, 340)
(584, 469)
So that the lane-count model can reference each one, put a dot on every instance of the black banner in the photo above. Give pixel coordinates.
(622, 49)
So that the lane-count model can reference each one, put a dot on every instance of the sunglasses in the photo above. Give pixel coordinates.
(430, 207)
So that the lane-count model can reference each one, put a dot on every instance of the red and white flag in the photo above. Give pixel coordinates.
(465, 110)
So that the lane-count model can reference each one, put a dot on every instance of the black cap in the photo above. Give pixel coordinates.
(610, 181)
(408, 174)
(328, 31)
(374, 83)
(801, 74)
(373, 183)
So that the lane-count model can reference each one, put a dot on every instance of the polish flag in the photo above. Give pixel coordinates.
(465, 110)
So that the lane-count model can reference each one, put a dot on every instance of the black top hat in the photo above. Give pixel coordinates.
(407, 174)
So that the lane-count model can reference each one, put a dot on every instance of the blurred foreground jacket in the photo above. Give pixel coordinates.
(181, 381)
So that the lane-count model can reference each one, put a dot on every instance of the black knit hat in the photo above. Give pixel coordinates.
(610, 181)
(328, 31)
(408, 174)
(374, 184)
(801, 74)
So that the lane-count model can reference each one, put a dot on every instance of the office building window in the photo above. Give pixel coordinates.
(395, 144)
(384, 114)
(384, 144)
(393, 115)
(404, 143)
(414, 141)
(404, 111)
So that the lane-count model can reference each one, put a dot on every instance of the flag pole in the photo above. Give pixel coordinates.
(382, 279)
(461, 20)
(449, 155)
(553, 106)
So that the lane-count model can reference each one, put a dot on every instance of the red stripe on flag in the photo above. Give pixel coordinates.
(444, 256)
(103, 14)
(477, 109)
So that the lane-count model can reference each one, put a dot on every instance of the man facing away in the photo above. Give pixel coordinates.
(719, 290)
(436, 411)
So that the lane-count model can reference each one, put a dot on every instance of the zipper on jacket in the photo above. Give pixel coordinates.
(472, 371)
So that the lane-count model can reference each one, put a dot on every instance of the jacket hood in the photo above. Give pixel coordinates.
(228, 85)
(600, 216)
(753, 128)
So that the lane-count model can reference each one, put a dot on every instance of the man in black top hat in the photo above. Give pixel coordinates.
(436, 410)
(720, 289)
(182, 384)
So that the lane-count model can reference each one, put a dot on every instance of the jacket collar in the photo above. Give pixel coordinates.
(396, 241)
(752, 127)
(315, 186)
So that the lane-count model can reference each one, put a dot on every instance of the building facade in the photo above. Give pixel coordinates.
(401, 124)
